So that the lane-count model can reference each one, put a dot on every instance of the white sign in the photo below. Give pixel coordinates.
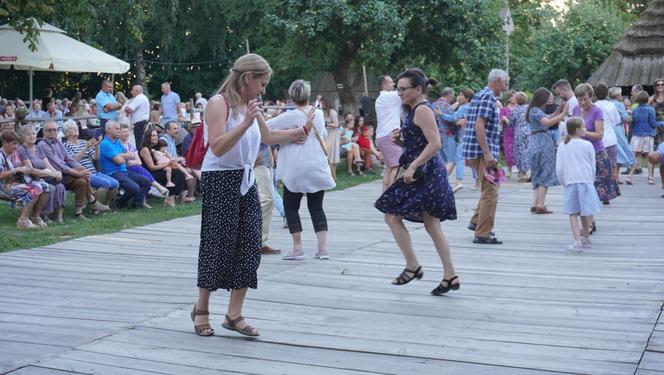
(508, 23)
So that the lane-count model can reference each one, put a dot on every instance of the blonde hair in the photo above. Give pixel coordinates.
(521, 98)
(573, 124)
(300, 91)
(615, 92)
(234, 82)
(584, 89)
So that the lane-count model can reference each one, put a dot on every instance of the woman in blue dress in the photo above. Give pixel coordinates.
(541, 148)
(423, 193)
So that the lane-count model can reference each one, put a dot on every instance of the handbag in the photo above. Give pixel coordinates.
(419, 175)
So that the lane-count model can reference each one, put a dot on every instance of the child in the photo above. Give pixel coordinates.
(575, 169)
(161, 157)
(644, 125)
(350, 149)
(367, 147)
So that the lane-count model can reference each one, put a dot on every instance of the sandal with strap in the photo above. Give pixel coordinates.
(440, 289)
(246, 330)
(199, 329)
(408, 276)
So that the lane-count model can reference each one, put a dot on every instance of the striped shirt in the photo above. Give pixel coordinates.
(86, 160)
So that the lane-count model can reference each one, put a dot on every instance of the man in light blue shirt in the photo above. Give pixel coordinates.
(54, 114)
(107, 106)
(37, 117)
(170, 104)
(113, 158)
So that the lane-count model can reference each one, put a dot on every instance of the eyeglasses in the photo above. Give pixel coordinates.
(402, 89)
(51, 130)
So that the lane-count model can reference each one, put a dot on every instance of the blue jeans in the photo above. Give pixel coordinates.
(135, 187)
(278, 202)
(100, 180)
(460, 167)
(555, 134)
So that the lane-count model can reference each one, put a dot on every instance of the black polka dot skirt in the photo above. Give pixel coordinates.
(229, 252)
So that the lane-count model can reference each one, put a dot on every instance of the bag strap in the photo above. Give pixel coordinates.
(317, 134)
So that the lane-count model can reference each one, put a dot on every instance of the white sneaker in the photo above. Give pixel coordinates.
(586, 243)
(156, 193)
(322, 255)
(515, 169)
(575, 246)
(294, 255)
(457, 187)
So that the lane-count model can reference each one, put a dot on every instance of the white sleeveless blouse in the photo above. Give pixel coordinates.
(241, 156)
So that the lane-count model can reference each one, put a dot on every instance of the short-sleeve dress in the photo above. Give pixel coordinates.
(56, 198)
(12, 188)
(605, 182)
(333, 140)
(508, 136)
(521, 134)
(541, 151)
(432, 194)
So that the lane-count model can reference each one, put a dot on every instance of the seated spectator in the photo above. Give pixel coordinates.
(16, 185)
(76, 177)
(32, 157)
(367, 148)
(55, 114)
(113, 158)
(85, 152)
(350, 149)
(134, 164)
(36, 116)
(171, 134)
(161, 155)
(150, 140)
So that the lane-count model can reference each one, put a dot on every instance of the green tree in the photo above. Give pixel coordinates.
(571, 46)
(19, 14)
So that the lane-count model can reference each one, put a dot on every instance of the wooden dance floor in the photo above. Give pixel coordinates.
(119, 304)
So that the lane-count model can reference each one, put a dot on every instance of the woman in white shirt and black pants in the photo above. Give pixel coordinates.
(303, 169)
(230, 246)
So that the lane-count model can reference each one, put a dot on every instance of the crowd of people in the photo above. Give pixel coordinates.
(110, 151)
(576, 137)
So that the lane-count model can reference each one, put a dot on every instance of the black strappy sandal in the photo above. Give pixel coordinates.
(440, 289)
(408, 276)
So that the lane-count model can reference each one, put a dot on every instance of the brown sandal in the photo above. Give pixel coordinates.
(246, 330)
(199, 329)
(542, 210)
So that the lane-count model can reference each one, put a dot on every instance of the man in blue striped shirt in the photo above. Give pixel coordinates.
(481, 146)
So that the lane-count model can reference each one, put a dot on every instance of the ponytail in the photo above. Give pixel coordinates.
(567, 139)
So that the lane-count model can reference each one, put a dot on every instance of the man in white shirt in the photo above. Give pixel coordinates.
(138, 109)
(563, 90)
(388, 116)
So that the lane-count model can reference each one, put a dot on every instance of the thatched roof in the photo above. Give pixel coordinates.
(638, 57)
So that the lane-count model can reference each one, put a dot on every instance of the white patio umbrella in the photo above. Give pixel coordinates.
(55, 52)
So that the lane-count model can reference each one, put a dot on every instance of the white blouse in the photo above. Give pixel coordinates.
(241, 156)
(303, 168)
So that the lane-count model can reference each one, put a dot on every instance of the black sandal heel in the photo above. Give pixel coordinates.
(406, 277)
(440, 289)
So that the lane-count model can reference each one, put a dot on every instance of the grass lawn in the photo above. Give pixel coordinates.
(12, 239)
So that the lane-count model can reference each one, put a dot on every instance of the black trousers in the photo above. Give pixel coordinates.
(139, 130)
(315, 205)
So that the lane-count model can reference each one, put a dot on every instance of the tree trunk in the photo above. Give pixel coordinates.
(139, 69)
(340, 73)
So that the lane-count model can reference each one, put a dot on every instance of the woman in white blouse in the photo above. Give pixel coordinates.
(303, 168)
(229, 252)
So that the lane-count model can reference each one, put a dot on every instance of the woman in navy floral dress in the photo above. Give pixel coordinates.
(423, 193)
